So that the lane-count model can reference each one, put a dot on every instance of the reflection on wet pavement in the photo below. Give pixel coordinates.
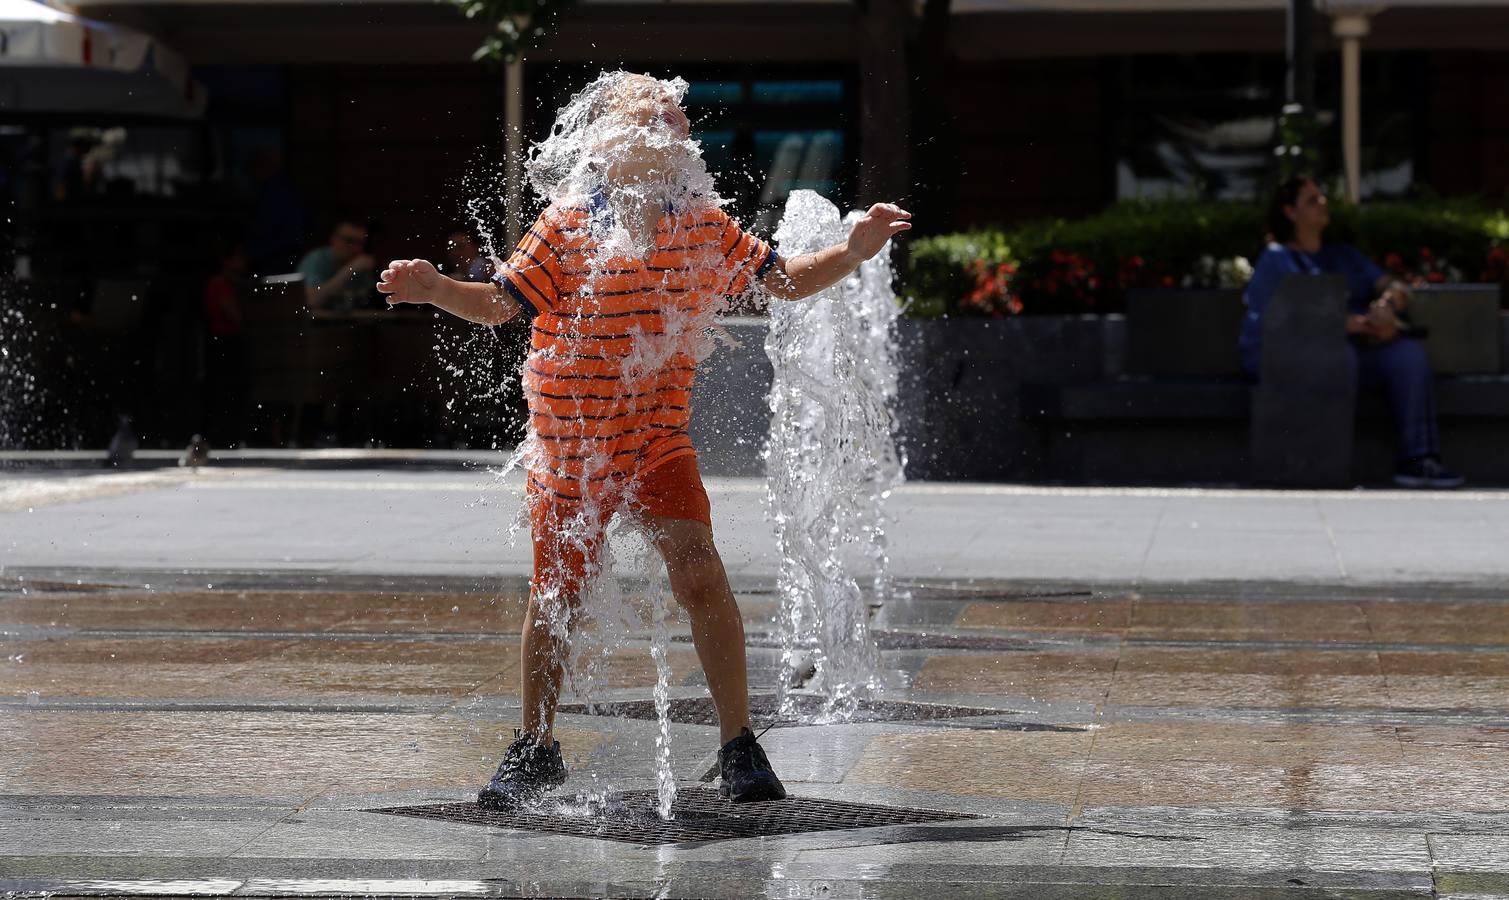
(227, 740)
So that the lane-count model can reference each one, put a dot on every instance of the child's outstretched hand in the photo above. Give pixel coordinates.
(409, 281)
(880, 224)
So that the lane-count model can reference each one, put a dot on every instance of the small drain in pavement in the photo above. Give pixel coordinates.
(765, 708)
(697, 815)
(902, 640)
(922, 640)
(989, 593)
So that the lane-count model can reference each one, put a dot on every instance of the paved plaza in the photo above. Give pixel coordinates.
(212, 679)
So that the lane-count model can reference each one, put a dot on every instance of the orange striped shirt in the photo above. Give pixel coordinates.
(610, 370)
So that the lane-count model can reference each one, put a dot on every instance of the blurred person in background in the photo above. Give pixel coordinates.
(341, 275)
(227, 362)
(464, 261)
(76, 174)
(1384, 356)
(276, 236)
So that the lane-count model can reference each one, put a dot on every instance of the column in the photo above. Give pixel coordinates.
(1350, 28)
(884, 95)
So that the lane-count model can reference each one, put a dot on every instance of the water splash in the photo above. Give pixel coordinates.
(31, 413)
(665, 779)
(16, 381)
(831, 462)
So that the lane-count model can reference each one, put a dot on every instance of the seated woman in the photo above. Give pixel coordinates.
(1297, 218)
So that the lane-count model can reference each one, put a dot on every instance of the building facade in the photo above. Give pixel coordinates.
(973, 112)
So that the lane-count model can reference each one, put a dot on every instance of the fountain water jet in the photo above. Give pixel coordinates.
(831, 461)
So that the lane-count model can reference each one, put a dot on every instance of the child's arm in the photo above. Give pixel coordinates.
(417, 281)
(805, 275)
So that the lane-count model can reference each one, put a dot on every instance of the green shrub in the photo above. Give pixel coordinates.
(942, 268)
(1088, 265)
(1442, 241)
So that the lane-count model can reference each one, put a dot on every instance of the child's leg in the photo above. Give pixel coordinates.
(701, 587)
(563, 567)
(543, 665)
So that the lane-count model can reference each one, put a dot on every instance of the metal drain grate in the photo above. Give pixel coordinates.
(697, 815)
(764, 708)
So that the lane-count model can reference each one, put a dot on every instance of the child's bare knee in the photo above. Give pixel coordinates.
(697, 577)
(555, 609)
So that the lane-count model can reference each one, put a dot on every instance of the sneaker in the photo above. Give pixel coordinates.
(1426, 472)
(747, 776)
(528, 770)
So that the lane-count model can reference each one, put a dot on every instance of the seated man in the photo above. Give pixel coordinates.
(1297, 217)
(341, 275)
(464, 261)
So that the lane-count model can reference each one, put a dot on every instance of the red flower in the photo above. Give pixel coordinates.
(992, 292)
(1496, 267)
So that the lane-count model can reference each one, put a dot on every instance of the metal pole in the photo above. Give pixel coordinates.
(513, 151)
(1300, 84)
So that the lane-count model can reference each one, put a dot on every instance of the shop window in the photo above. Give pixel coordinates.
(1205, 126)
(764, 132)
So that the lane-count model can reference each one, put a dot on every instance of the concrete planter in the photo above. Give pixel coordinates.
(960, 405)
(730, 419)
(959, 409)
(1184, 333)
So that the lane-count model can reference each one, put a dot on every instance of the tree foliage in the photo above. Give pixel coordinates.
(516, 24)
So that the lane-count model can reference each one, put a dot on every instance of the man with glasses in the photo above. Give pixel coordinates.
(341, 275)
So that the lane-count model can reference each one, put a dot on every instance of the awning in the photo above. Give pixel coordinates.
(54, 62)
(1103, 6)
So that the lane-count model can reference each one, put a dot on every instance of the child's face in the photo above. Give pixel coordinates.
(654, 141)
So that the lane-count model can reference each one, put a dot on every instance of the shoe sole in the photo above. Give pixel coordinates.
(757, 794)
(500, 802)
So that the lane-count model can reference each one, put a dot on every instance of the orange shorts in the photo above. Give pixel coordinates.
(567, 536)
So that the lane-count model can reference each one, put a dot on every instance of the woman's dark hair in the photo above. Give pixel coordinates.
(1280, 226)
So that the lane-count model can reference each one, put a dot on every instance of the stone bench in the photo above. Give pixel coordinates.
(1134, 397)
(1182, 367)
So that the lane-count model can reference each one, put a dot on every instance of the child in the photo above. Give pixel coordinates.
(619, 276)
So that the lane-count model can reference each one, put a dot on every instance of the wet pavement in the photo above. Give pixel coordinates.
(228, 730)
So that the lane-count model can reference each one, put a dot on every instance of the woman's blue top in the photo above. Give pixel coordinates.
(1276, 262)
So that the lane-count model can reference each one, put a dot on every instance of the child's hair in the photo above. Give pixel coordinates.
(606, 99)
